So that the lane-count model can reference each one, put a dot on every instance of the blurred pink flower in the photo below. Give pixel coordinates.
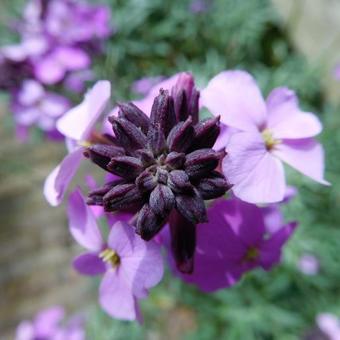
(329, 324)
(308, 264)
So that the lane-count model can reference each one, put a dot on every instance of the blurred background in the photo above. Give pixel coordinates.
(295, 43)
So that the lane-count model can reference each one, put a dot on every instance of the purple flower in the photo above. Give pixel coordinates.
(47, 325)
(144, 86)
(77, 126)
(329, 324)
(308, 264)
(33, 105)
(165, 164)
(129, 265)
(270, 132)
(232, 243)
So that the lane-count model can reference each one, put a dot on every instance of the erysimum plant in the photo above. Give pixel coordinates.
(201, 189)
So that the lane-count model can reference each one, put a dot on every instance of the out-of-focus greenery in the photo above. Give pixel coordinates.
(157, 37)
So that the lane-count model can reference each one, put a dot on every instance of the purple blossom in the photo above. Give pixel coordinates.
(270, 132)
(33, 105)
(129, 265)
(144, 85)
(47, 325)
(77, 127)
(234, 242)
(308, 264)
(329, 324)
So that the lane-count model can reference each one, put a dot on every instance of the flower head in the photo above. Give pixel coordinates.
(129, 265)
(269, 132)
(165, 164)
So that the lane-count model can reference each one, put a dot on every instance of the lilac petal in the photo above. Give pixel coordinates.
(58, 180)
(256, 176)
(48, 70)
(236, 97)
(270, 251)
(72, 58)
(116, 298)
(305, 155)
(286, 120)
(79, 121)
(46, 323)
(25, 331)
(89, 264)
(82, 223)
(121, 239)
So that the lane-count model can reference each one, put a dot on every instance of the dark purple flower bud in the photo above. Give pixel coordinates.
(136, 116)
(175, 159)
(126, 166)
(206, 133)
(128, 135)
(96, 195)
(148, 223)
(156, 140)
(213, 186)
(201, 162)
(163, 113)
(194, 106)
(191, 207)
(101, 154)
(179, 181)
(146, 181)
(183, 242)
(162, 200)
(146, 156)
(162, 176)
(181, 136)
(121, 197)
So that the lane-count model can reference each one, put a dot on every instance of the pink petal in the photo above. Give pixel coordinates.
(72, 58)
(286, 120)
(58, 180)
(89, 264)
(305, 155)
(236, 97)
(257, 176)
(116, 298)
(121, 239)
(47, 321)
(82, 223)
(25, 331)
(48, 70)
(79, 121)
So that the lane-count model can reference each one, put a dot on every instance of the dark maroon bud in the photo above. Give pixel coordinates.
(121, 197)
(162, 176)
(128, 135)
(206, 133)
(163, 112)
(213, 186)
(146, 181)
(156, 140)
(181, 105)
(183, 242)
(101, 154)
(136, 116)
(194, 106)
(146, 156)
(162, 200)
(148, 224)
(96, 195)
(126, 166)
(175, 159)
(192, 207)
(201, 162)
(181, 136)
(179, 181)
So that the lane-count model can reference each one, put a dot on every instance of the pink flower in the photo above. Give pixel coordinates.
(129, 265)
(233, 242)
(329, 324)
(308, 264)
(76, 125)
(269, 132)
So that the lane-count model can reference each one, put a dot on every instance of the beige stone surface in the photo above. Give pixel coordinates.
(314, 27)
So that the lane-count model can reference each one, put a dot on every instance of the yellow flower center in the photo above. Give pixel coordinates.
(251, 255)
(269, 139)
(85, 143)
(110, 256)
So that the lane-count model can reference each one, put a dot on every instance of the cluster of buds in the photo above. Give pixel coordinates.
(166, 167)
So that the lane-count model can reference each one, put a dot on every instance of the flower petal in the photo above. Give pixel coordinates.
(286, 120)
(89, 264)
(257, 176)
(79, 121)
(82, 223)
(236, 97)
(58, 180)
(116, 297)
(305, 155)
(48, 70)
